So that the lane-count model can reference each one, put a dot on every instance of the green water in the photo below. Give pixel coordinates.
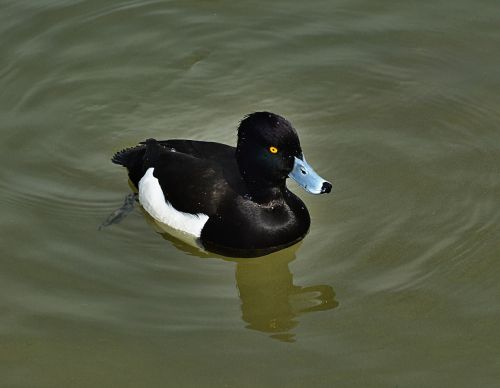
(396, 284)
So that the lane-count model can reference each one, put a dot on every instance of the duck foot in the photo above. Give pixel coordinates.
(123, 211)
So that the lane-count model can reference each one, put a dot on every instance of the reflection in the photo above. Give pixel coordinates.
(270, 301)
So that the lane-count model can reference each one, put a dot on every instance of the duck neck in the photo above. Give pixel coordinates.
(263, 194)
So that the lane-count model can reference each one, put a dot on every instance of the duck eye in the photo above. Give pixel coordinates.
(273, 150)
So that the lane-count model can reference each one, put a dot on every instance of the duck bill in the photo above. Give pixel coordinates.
(305, 176)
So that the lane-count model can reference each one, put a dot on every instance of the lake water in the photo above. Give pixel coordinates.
(397, 283)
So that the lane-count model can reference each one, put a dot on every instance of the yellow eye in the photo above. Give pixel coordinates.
(273, 150)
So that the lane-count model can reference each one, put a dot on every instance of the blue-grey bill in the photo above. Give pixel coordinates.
(306, 177)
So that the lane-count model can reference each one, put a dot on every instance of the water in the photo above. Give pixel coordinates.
(396, 283)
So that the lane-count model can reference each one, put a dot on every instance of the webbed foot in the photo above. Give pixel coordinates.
(123, 211)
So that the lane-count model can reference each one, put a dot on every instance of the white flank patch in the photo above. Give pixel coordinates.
(153, 201)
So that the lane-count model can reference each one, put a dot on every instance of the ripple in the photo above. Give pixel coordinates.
(400, 110)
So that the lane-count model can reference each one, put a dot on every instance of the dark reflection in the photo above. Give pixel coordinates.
(270, 301)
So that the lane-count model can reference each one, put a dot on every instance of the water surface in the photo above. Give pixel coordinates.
(396, 283)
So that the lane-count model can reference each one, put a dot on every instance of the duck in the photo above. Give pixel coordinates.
(231, 201)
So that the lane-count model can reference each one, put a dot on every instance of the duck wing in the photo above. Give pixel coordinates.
(218, 152)
(194, 176)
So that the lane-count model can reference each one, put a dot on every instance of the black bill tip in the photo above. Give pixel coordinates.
(326, 188)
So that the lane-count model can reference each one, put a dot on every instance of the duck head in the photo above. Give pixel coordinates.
(268, 151)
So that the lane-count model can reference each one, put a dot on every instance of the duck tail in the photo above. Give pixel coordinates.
(145, 153)
(138, 159)
(129, 157)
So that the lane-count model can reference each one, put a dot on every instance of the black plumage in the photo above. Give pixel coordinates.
(242, 190)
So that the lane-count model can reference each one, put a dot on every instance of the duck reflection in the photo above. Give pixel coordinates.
(270, 301)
